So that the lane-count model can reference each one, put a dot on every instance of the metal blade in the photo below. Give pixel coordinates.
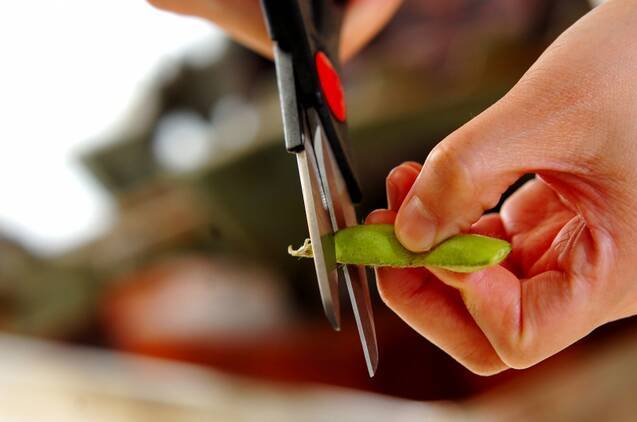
(356, 280)
(298, 139)
(328, 207)
(292, 124)
(342, 215)
(321, 233)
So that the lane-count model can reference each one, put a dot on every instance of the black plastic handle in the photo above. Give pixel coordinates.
(303, 28)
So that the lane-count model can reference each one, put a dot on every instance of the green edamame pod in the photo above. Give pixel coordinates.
(376, 245)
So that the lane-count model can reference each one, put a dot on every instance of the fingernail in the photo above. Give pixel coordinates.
(415, 227)
(392, 194)
(399, 183)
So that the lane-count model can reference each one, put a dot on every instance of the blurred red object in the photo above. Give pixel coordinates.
(225, 315)
(236, 319)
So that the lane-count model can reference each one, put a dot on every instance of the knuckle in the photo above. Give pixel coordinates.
(394, 296)
(382, 292)
(413, 164)
(518, 354)
(448, 169)
(444, 157)
(402, 171)
(482, 365)
(446, 173)
(387, 291)
(388, 299)
(186, 6)
(484, 369)
(160, 4)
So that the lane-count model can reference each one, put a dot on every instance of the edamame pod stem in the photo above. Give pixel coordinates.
(376, 245)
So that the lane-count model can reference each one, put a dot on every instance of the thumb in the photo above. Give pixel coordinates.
(527, 131)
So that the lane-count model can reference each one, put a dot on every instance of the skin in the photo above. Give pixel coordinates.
(572, 120)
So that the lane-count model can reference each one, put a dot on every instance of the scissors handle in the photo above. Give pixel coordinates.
(305, 25)
(308, 32)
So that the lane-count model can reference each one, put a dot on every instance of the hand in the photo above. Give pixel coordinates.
(572, 120)
(242, 19)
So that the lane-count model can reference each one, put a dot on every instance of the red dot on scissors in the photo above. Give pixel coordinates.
(330, 85)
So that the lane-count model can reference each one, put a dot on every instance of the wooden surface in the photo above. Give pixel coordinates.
(594, 382)
(44, 382)
(47, 382)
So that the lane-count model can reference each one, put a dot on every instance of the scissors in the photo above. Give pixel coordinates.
(305, 37)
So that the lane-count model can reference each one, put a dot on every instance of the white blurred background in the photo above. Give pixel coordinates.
(70, 71)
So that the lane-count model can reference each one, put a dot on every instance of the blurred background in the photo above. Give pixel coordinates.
(147, 201)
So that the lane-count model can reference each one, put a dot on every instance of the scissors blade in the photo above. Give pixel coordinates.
(343, 215)
(321, 233)
(298, 140)
(356, 280)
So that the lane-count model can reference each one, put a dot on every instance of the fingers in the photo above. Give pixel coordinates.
(531, 319)
(243, 20)
(362, 21)
(525, 321)
(543, 125)
(493, 320)
(521, 321)
(490, 225)
(533, 216)
(436, 312)
(399, 181)
(446, 198)
(555, 123)
(533, 202)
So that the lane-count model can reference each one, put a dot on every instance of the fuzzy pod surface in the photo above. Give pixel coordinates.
(376, 245)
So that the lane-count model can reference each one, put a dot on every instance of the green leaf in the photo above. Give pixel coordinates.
(376, 245)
